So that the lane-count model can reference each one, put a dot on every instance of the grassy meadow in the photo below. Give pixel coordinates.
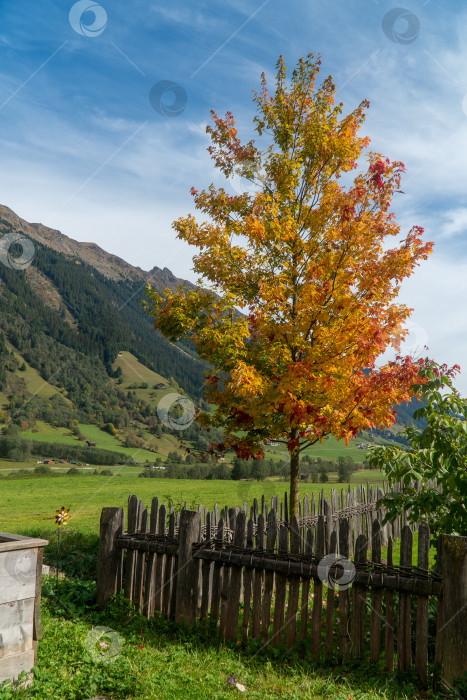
(30, 502)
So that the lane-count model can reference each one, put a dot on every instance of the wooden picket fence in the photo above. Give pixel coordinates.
(270, 579)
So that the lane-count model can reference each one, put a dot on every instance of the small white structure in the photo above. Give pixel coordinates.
(20, 598)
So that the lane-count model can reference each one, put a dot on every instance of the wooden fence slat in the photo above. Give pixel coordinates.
(153, 517)
(306, 588)
(453, 550)
(130, 555)
(141, 561)
(344, 596)
(109, 558)
(389, 621)
(257, 583)
(421, 629)
(138, 557)
(233, 603)
(281, 589)
(248, 580)
(330, 602)
(160, 561)
(268, 578)
(232, 515)
(357, 625)
(327, 508)
(404, 642)
(217, 575)
(317, 611)
(294, 588)
(376, 596)
(206, 574)
(168, 571)
(188, 568)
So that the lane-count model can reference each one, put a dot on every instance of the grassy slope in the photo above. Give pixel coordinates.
(34, 382)
(133, 372)
(48, 433)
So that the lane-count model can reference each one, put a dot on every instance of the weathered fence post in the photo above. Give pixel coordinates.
(186, 604)
(452, 633)
(109, 558)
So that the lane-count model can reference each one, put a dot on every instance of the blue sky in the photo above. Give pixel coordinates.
(82, 149)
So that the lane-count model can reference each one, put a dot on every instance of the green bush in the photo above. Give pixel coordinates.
(43, 469)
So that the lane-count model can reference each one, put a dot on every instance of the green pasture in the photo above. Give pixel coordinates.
(329, 449)
(31, 502)
(103, 440)
(133, 372)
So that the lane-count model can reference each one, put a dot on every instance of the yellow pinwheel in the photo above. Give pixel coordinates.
(61, 516)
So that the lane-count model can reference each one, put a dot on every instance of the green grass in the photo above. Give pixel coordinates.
(31, 502)
(330, 449)
(159, 659)
(133, 372)
(103, 440)
(34, 382)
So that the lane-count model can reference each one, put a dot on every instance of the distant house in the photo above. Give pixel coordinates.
(49, 460)
(161, 385)
(90, 444)
(271, 443)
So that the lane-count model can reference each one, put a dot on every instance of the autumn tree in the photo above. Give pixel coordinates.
(304, 254)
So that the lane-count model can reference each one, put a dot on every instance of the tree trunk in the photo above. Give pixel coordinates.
(294, 483)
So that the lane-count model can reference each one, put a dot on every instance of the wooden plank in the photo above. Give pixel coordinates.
(37, 622)
(404, 642)
(160, 562)
(12, 666)
(131, 555)
(357, 624)
(140, 559)
(330, 601)
(316, 614)
(327, 511)
(188, 568)
(268, 578)
(439, 617)
(206, 574)
(217, 575)
(153, 517)
(344, 595)
(421, 629)
(281, 589)
(376, 596)
(454, 573)
(232, 514)
(233, 603)
(306, 588)
(168, 572)
(17, 619)
(389, 621)
(257, 582)
(294, 588)
(248, 582)
(109, 558)
(148, 601)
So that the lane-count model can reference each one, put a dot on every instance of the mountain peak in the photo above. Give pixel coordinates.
(107, 264)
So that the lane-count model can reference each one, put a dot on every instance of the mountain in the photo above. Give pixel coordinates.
(110, 266)
(65, 319)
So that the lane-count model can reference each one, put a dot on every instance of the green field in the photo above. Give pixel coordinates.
(329, 449)
(31, 502)
(103, 440)
(133, 372)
